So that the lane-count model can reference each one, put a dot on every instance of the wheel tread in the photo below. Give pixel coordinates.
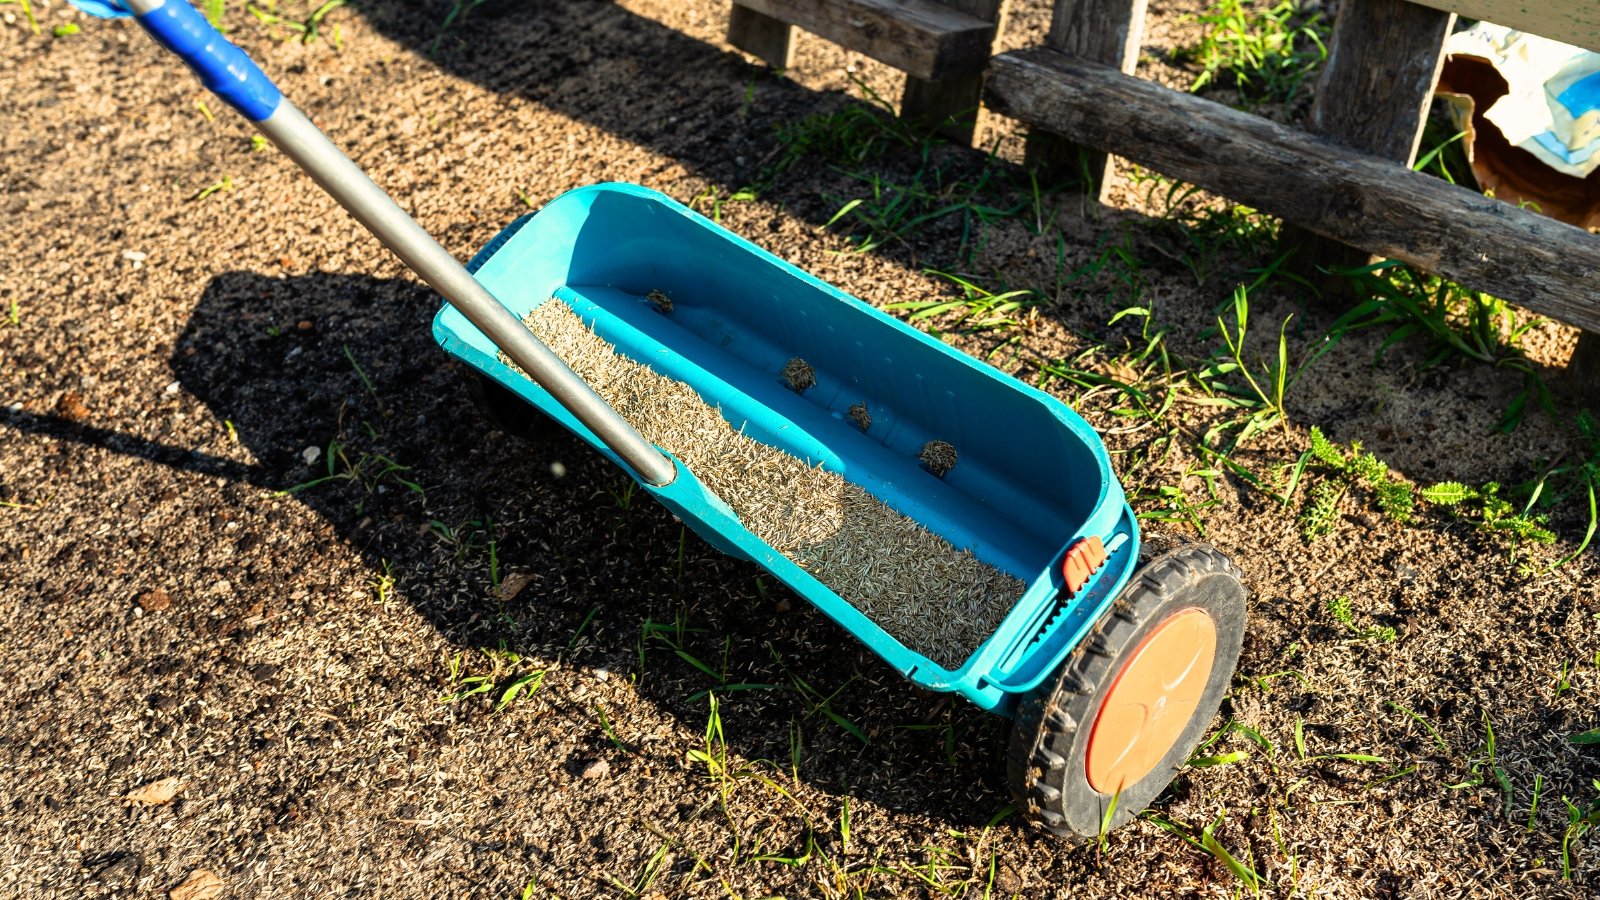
(1049, 720)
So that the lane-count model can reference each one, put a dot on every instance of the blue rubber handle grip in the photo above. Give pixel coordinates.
(222, 67)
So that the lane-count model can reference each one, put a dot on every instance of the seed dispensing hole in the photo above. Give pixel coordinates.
(860, 416)
(938, 456)
(799, 375)
(937, 599)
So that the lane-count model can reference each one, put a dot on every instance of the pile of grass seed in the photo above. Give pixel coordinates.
(935, 599)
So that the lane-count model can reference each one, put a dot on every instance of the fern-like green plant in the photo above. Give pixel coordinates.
(1344, 613)
(1500, 514)
(1345, 469)
(1491, 511)
(1367, 468)
(1395, 500)
(1326, 451)
(1448, 493)
(1339, 608)
(1317, 518)
(1574, 478)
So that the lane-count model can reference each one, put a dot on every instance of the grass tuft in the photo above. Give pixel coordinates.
(1265, 51)
(853, 135)
(1456, 323)
(305, 30)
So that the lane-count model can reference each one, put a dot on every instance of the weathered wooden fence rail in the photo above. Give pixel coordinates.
(1352, 197)
(1344, 186)
(1575, 22)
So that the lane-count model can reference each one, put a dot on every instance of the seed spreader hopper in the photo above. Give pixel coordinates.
(1111, 672)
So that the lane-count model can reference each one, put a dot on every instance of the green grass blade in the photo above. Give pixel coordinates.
(1588, 535)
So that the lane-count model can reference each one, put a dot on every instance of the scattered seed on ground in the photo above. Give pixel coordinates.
(936, 599)
(660, 301)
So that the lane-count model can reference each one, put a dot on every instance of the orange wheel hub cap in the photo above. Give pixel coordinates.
(1151, 701)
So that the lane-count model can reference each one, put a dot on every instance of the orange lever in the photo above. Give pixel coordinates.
(1082, 560)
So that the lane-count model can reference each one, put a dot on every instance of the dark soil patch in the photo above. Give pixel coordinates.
(178, 363)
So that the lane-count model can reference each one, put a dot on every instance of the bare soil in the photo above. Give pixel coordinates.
(178, 363)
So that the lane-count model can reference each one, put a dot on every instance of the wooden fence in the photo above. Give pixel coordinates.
(1344, 182)
(943, 46)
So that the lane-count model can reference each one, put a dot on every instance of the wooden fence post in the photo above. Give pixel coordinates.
(762, 36)
(1102, 31)
(943, 46)
(1383, 59)
(951, 104)
(1583, 369)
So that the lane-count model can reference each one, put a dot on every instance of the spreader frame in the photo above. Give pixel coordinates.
(739, 314)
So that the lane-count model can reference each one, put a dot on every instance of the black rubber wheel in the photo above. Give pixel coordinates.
(505, 410)
(1049, 764)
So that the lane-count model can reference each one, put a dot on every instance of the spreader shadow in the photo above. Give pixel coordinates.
(173, 457)
(600, 64)
(705, 107)
(619, 584)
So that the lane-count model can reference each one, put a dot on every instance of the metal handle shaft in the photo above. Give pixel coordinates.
(229, 72)
(312, 151)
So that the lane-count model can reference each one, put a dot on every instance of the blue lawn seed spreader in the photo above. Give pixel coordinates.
(1110, 672)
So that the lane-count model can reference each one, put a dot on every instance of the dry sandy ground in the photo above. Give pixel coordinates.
(168, 612)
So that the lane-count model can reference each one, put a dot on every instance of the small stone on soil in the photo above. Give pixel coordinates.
(156, 793)
(512, 585)
(200, 885)
(597, 769)
(154, 600)
(72, 408)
